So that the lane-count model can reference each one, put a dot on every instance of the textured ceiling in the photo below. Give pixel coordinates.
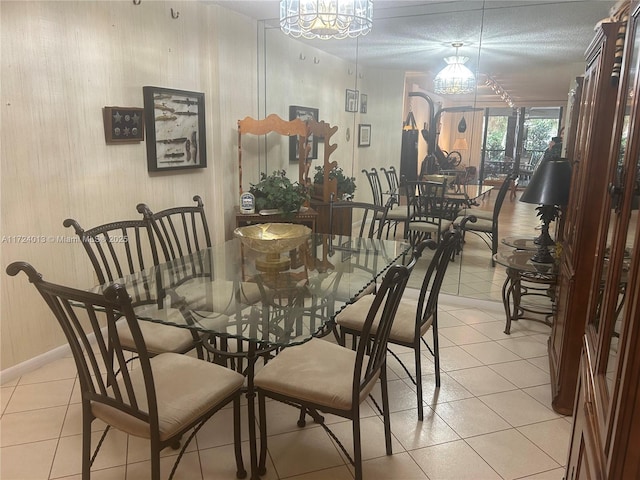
(534, 49)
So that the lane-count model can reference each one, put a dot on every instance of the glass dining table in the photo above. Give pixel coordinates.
(247, 305)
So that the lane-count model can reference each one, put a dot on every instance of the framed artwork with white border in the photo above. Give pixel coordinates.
(304, 114)
(364, 135)
(351, 100)
(363, 103)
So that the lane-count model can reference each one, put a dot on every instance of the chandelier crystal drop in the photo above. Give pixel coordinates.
(455, 78)
(326, 19)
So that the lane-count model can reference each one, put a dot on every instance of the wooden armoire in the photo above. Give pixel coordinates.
(594, 348)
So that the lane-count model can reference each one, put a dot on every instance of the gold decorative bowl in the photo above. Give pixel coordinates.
(273, 238)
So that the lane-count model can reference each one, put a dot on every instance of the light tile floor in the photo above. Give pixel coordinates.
(491, 418)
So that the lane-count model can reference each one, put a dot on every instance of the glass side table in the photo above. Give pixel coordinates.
(527, 286)
(521, 243)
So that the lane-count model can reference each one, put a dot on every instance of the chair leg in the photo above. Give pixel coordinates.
(200, 350)
(494, 247)
(237, 438)
(357, 445)
(262, 416)
(385, 409)
(302, 418)
(416, 352)
(155, 460)
(86, 443)
(436, 347)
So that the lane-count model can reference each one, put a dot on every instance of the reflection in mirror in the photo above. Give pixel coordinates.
(335, 76)
(632, 169)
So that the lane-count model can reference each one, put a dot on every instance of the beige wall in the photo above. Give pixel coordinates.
(63, 61)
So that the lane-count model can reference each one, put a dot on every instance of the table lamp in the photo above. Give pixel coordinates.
(460, 144)
(549, 188)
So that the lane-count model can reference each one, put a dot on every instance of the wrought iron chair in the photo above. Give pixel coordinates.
(394, 184)
(429, 213)
(369, 221)
(182, 231)
(413, 318)
(321, 376)
(370, 217)
(161, 398)
(394, 216)
(486, 226)
(126, 248)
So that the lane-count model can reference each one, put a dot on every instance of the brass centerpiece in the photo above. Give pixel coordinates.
(273, 239)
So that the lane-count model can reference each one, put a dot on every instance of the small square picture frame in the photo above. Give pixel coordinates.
(364, 135)
(351, 100)
(123, 125)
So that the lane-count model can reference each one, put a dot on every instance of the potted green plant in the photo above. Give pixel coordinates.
(276, 192)
(346, 185)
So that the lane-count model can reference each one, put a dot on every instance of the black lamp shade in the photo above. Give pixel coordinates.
(549, 184)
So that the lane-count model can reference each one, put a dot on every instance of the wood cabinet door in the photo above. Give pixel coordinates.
(604, 444)
(589, 166)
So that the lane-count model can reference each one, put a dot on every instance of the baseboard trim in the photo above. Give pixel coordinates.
(462, 302)
(9, 374)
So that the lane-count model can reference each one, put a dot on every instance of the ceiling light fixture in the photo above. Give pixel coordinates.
(455, 78)
(325, 19)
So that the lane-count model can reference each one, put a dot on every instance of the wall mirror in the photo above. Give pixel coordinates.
(333, 75)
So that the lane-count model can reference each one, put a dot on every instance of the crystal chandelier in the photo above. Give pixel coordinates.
(326, 19)
(455, 78)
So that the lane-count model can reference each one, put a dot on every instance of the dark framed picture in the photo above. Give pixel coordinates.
(123, 124)
(304, 114)
(364, 135)
(363, 103)
(174, 120)
(351, 101)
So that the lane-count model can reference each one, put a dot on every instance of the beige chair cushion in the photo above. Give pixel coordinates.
(343, 290)
(219, 295)
(186, 388)
(344, 293)
(158, 338)
(479, 214)
(402, 329)
(429, 227)
(317, 371)
(398, 214)
(481, 225)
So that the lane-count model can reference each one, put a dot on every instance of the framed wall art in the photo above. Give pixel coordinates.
(304, 114)
(175, 125)
(351, 101)
(123, 124)
(364, 135)
(363, 103)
